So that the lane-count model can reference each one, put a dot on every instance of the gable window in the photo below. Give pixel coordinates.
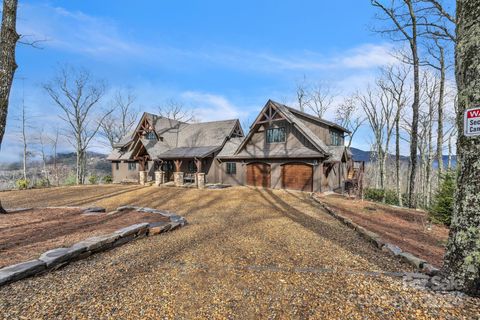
(336, 138)
(132, 166)
(150, 135)
(231, 168)
(276, 135)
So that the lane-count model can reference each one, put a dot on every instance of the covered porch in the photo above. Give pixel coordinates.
(185, 166)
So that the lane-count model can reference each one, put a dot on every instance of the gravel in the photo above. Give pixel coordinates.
(245, 254)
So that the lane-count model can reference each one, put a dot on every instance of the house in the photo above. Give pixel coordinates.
(285, 148)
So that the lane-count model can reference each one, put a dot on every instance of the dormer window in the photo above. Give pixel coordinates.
(276, 135)
(150, 136)
(336, 139)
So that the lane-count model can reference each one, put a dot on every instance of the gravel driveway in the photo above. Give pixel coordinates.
(245, 254)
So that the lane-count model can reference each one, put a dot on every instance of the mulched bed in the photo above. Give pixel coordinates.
(25, 235)
(409, 229)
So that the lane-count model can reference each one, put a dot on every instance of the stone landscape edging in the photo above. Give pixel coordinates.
(56, 258)
(380, 243)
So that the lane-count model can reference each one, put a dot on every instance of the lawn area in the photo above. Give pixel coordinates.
(246, 253)
(407, 228)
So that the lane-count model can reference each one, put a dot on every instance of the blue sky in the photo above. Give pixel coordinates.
(223, 59)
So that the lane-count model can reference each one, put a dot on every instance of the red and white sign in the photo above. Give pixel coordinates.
(472, 122)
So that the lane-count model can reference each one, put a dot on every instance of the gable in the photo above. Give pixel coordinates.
(299, 136)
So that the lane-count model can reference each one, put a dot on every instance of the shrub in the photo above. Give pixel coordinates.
(442, 207)
(22, 184)
(93, 179)
(107, 179)
(376, 195)
(71, 180)
(42, 183)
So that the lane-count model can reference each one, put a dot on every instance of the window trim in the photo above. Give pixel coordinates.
(117, 166)
(339, 137)
(276, 128)
(132, 166)
(229, 166)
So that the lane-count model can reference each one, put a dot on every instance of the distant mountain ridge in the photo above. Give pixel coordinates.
(361, 155)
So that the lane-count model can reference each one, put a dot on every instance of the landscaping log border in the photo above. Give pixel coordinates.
(381, 244)
(56, 258)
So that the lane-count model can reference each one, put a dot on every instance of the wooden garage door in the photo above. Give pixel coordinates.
(258, 175)
(297, 176)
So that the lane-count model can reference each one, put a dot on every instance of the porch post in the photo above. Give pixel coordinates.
(199, 175)
(178, 175)
(143, 177)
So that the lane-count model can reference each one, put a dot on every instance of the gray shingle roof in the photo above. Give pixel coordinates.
(230, 147)
(176, 137)
(188, 152)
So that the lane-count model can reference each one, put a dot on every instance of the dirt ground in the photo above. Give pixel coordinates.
(25, 235)
(409, 229)
(244, 254)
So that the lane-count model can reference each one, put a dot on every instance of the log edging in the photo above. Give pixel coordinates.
(381, 244)
(56, 258)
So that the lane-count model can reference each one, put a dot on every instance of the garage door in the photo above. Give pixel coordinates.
(297, 176)
(258, 175)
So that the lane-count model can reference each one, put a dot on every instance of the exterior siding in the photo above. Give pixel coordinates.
(123, 174)
(258, 146)
(320, 129)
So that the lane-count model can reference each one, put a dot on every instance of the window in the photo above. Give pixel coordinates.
(117, 165)
(192, 168)
(336, 138)
(231, 168)
(150, 135)
(132, 166)
(276, 135)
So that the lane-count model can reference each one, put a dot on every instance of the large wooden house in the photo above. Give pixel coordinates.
(285, 148)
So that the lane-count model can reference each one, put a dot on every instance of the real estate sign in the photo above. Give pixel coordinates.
(472, 122)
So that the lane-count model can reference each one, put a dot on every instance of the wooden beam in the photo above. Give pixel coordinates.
(178, 165)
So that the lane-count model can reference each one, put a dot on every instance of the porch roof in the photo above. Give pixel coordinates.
(188, 152)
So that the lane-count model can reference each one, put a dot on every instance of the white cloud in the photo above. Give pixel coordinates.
(211, 107)
(74, 31)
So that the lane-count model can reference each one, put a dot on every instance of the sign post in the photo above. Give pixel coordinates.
(472, 122)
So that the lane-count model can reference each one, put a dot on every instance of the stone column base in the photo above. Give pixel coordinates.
(178, 178)
(159, 178)
(200, 177)
(143, 177)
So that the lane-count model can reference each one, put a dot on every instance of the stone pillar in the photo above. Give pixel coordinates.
(178, 178)
(159, 178)
(200, 177)
(143, 177)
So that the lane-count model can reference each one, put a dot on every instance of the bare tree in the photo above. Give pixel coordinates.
(462, 258)
(121, 120)
(347, 115)
(22, 126)
(395, 82)
(176, 110)
(77, 94)
(404, 27)
(320, 99)
(53, 141)
(379, 110)
(302, 93)
(8, 43)
(431, 88)
(43, 141)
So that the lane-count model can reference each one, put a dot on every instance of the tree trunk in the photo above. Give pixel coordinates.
(441, 94)
(8, 41)
(462, 258)
(397, 158)
(449, 161)
(415, 109)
